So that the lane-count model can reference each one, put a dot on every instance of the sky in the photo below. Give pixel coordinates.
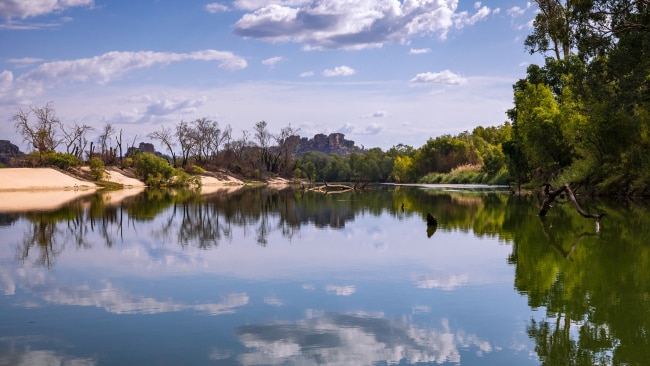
(381, 72)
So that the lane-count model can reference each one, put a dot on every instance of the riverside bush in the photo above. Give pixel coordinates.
(96, 168)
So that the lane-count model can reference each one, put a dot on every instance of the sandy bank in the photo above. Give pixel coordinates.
(30, 179)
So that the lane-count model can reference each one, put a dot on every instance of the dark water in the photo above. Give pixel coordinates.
(264, 277)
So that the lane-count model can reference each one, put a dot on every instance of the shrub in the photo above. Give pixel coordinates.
(96, 168)
(127, 162)
(153, 170)
(53, 158)
(197, 169)
(183, 179)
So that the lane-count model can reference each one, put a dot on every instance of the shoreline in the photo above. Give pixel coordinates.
(25, 189)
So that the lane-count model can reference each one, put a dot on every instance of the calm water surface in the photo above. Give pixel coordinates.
(264, 277)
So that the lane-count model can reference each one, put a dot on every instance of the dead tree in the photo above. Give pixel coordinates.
(551, 194)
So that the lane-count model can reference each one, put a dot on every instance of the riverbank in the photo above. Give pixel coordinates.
(48, 179)
(23, 189)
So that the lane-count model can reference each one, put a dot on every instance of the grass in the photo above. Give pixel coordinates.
(466, 174)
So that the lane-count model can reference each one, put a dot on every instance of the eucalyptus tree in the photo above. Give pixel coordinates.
(43, 133)
(75, 138)
(166, 137)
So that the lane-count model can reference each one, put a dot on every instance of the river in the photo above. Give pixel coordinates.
(285, 277)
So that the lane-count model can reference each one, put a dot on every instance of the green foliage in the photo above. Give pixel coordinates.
(52, 158)
(62, 160)
(127, 162)
(96, 168)
(464, 174)
(197, 169)
(153, 170)
(597, 133)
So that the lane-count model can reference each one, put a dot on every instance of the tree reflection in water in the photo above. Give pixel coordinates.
(594, 287)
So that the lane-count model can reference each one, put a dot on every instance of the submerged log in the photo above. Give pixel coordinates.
(431, 220)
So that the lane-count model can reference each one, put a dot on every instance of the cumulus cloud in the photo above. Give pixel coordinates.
(256, 4)
(517, 11)
(110, 66)
(117, 301)
(419, 51)
(358, 339)
(341, 290)
(355, 129)
(334, 24)
(163, 107)
(213, 8)
(272, 61)
(443, 77)
(25, 9)
(24, 61)
(339, 71)
(6, 79)
(464, 18)
(444, 282)
(376, 114)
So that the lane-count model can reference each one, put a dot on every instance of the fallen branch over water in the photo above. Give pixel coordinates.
(335, 188)
(550, 195)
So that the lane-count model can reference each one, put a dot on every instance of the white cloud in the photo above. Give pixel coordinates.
(24, 60)
(443, 77)
(496, 11)
(273, 301)
(25, 9)
(163, 107)
(372, 129)
(339, 71)
(6, 79)
(272, 61)
(334, 24)
(419, 51)
(446, 282)
(306, 74)
(464, 18)
(257, 4)
(216, 8)
(341, 290)
(112, 65)
(377, 114)
(517, 11)
(357, 339)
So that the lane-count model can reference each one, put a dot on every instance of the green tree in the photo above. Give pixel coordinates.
(153, 170)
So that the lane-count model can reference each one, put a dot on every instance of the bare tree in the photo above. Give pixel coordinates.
(118, 141)
(287, 141)
(204, 132)
(263, 137)
(166, 137)
(42, 135)
(223, 139)
(107, 132)
(185, 139)
(75, 139)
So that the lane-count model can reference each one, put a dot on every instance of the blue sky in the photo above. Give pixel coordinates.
(382, 72)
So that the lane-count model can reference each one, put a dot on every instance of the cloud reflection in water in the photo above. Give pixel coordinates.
(335, 339)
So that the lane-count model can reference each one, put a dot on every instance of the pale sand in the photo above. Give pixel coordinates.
(23, 189)
(21, 179)
(18, 201)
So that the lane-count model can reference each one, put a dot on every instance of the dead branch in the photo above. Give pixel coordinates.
(550, 195)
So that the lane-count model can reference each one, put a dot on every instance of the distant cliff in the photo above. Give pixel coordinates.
(8, 151)
(335, 143)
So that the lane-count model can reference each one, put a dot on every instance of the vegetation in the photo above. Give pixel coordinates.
(581, 118)
(96, 168)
